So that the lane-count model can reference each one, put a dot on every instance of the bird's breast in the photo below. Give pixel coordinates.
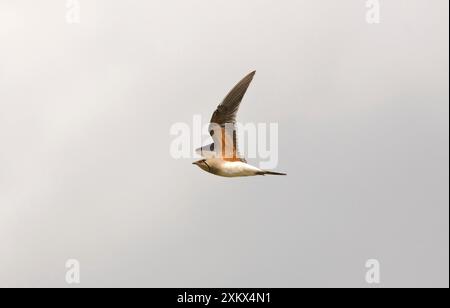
(237, 168)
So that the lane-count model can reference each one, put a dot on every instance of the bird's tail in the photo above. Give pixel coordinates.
(264, 172)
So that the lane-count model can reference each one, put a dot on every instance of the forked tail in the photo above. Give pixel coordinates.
(270, 173)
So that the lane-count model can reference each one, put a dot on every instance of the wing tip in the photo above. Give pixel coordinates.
(249, 77)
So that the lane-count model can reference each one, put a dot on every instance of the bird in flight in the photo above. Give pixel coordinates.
(222, 157)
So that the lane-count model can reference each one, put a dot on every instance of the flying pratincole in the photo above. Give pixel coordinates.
(222, 157)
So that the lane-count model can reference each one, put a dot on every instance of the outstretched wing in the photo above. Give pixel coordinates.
(223, 120)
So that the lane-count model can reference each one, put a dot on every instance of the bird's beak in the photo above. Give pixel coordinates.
(198, 162)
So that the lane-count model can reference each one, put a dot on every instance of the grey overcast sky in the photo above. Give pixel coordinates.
(86, 173)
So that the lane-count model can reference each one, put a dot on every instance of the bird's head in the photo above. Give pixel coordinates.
(202, 164)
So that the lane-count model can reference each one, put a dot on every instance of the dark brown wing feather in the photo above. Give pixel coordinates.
(227, 110)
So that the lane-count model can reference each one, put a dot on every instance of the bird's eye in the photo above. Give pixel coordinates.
(212, 147)
(211, 132)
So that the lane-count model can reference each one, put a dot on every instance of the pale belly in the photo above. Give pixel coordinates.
(236, 169)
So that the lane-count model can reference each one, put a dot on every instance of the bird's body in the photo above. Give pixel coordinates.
(229, 169)
(222, 157)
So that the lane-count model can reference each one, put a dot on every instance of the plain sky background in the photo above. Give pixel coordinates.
(86, 173)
